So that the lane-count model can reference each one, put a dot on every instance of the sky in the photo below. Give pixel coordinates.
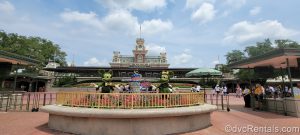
(194, 33)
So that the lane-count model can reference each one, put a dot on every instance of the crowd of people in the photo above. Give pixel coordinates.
(220, 89)
(258, 92)
(128, 88)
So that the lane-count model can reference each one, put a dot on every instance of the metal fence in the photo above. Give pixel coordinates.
(32, 101)
(128, 100)
(25, 101)
(220, 100)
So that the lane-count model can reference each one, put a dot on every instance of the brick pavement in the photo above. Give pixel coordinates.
(35, 123)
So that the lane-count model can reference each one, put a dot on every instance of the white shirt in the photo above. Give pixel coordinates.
(198, 88)
(225, 89)
(272, 89)
(246, 91)
(296, 91)
(217, 88)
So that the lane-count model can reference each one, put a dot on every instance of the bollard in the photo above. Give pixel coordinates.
(222, 102)
(28, 102)
(44, 100)
(8, 98)
(21, 104)
(228, 109)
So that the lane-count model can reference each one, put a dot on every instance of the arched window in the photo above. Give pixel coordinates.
(140, 59)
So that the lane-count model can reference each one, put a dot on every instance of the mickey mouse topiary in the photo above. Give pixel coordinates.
(106, 86)
(165, 87)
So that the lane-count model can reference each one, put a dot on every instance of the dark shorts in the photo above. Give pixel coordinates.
(218, 92)
(259, 97)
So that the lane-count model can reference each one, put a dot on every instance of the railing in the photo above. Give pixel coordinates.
(219, 100)
(128, 100)
(25, 101)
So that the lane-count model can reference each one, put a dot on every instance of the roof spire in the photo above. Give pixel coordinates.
(140, 31)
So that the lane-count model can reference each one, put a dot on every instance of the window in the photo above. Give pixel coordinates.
(140, 59)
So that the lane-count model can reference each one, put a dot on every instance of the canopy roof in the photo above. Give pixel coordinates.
(16, 59)
(203, 72)
(276, 58)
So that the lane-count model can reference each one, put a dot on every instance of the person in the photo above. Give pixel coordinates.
(238, 91)
(97, 88)
(286, 91)
(258, 95)
(193, 89)
(297, 90)
(120, 87)
(154, 88)
(127, 88)
(198, 88)
(272, 91)
(150, 88)
(224, 90)
(217, 89)
(247, 97)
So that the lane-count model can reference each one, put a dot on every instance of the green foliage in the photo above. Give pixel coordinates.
(65, 81)
(32, 47)
(165, 76)
(234, 55)
(225, 69)
(286, 43)
(259, 49)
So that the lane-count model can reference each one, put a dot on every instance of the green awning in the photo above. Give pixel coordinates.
(200, 72)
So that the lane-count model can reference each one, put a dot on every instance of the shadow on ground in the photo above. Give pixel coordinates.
(44, 128)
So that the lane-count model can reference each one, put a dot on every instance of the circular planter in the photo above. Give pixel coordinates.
(91, 121)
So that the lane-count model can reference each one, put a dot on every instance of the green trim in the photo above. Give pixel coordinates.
(268, 55)
(9, 55)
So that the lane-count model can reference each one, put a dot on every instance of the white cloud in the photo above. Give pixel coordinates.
(86, 18)
(141, 5)
(254, 11)
(196, 3)
(154, 49)
(183, 58)
(205, 13)
(235, 3)
(6, 7)
(246, 31)
(156, 26)
(95, 62)
(120, 21)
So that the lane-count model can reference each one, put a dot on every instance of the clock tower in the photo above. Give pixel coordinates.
(140, 51)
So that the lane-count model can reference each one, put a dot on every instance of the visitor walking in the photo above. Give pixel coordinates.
(247, 97)
(238, 91)
(217, 89)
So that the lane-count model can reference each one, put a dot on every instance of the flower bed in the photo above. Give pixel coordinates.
(128, 100)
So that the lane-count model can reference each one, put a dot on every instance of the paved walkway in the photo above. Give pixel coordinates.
(35, 123)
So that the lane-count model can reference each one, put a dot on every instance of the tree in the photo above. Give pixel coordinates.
(286, 43)
(234, 55)
(260, 48)
(32, 47)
